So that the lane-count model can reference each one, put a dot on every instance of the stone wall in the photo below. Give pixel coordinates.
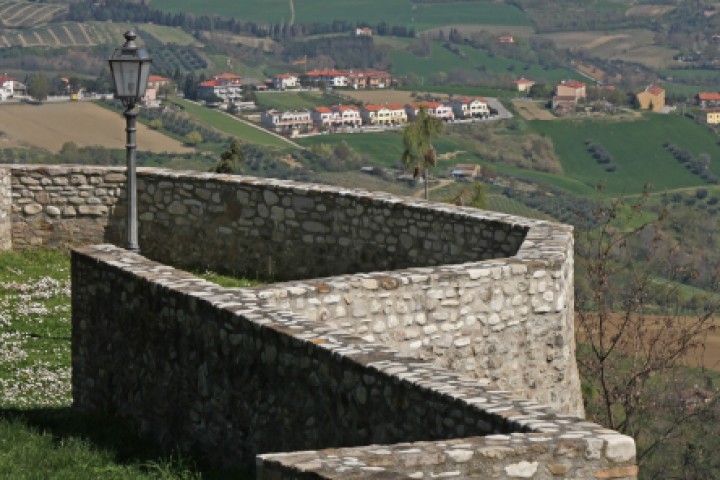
(66, 205)
(257, 227)
(226, 374)
(503, 322)
(461, 321)
(5, 209)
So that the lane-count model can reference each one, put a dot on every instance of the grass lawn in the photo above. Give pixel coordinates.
(636, 148)
(41, 437)
(236, 128)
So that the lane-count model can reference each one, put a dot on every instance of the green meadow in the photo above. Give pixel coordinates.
(636, 148)
(399, 12)
(295, 100)
(443, 60)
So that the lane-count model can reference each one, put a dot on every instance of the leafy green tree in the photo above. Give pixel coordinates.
(231, 158)
(193, 138)
(418, 150)
(39, 87)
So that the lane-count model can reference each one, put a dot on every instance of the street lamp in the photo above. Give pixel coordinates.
(130, 67)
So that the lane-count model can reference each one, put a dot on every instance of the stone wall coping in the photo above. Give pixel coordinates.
(531, 421)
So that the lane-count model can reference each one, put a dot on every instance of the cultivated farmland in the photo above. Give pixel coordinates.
(50, 125)
(27, 14)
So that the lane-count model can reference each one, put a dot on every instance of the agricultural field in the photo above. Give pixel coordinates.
(441, 59)
(636, 148)
(635, 45)
(50, 125)
(532, 110)
(28, 14)
(401, 12)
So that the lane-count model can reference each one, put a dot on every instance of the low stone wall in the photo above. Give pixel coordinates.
(503, 322)
(65, 205)
(5, 209)
(225, 373)
(257, 227)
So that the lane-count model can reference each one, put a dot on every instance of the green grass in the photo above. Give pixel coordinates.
(636, 147)
(295, 100)
(383, 149)
(235, 128)
(41, 436)
(399, 12)
(443, 60)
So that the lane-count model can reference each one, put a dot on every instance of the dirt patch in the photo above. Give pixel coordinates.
(50, 125)
(532, 111)
(449, 155)
(290, 161)
(649, 10)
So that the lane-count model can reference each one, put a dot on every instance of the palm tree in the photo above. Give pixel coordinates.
(418, 151)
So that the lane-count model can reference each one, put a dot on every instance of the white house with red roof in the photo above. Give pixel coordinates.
(7, 87)
(708, 99)
(228, 79)
(324, 116)
(439, 110)
(523, 84)
(470, 107)
(293, 120)
(153, 88)
(369, 78)
(285, 81)
(327, 78)
(387, 114)
(571, 88)
(349, 115)
(336, 116)
(363, 32)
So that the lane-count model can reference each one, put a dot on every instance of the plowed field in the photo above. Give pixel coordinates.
(50, 125)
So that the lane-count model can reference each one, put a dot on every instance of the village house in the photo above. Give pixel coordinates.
(155, 82)
(369, 78)
(324, 117)
(349, 115)
(708, 99)
(290, 121)
(7, 90)
(523, 84)
(226, 86)
(652, 98)
(326, 78)
(383, 114)
(465, 171)
(506, 39)
(363, 32)
(285, 81)
(711, 116)
(435, 109)
(469, 107)
(336, 116)
(571, 88)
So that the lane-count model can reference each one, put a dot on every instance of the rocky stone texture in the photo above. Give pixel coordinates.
(5, 209)
(65, 205)
(225, 373)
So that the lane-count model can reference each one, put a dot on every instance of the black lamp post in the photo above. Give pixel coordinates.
(130, 68)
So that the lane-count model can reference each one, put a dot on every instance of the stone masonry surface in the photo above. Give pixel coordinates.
(460, 326)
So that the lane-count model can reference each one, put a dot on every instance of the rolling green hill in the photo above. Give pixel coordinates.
(398, 12)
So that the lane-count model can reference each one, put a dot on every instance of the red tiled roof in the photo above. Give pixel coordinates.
(573, 84)
(226, 76)
(654, 90)
(157, 78)
(323, 110)
(344, 108)
(373, 108)
(709, 96)
(6, 78)
(286, 75)
(325, 73)
(395, 106)
(471, 99)
(523, 81)
(210, 83)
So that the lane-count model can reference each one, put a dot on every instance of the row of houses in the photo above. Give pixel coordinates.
(339, 116)
(357, 79)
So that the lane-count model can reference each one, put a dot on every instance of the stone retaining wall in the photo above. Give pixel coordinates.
(5, 209)
(446, 291)
(226, 374)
